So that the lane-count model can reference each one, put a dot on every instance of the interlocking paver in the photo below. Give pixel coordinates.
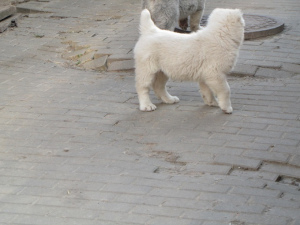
(262, 219)
(74, 148)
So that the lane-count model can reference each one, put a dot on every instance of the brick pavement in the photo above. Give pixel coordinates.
(76, 150)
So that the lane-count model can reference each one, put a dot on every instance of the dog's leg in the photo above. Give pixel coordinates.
(207, 95)
(143, 82)
(159, 87)
(195, 20)
(222, 90)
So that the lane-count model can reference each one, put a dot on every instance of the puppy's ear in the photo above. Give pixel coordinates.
(239, 11)
(239, 14)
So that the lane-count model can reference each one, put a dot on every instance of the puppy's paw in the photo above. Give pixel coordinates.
(212, 103)
(171, 100)
(148, 108)
(228, 110)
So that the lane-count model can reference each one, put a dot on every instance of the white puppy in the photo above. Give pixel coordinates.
(205, 57)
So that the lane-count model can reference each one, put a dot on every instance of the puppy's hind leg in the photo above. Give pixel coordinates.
(143, 82)
(207, 94)
(159, 87)
(221, 88)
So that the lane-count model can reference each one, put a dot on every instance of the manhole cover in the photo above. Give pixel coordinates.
(256, 26)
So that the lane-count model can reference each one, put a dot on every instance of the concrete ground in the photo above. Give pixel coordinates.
(75, 149)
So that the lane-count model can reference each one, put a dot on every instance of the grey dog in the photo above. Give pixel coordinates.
(166, 13)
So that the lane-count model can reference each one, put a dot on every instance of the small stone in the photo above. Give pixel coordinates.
(98, 64)
(121, 65)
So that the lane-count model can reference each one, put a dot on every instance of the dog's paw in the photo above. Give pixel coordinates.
(184, 24)
(212, 103)
(228, 110)
(171, 100)
(148, 108)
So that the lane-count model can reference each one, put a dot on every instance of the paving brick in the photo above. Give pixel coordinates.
(158, 210)
(50, 211)
(189, 204)
(262, 63)
(157, 183)
(19, 181)
(290, 212)
(281, 169)
(241, 181)
(130, 189)
(285, 184)
(140, 199)
(203, 150)
(109, 206)
(262, 219)
(293, 68)
(291, 197)
(255, 191)
(213, 223)
(268, 156)
(243, 136)
(263, 133)
(238, 161)
(244, 70)
(174, 193)
(240, 125)
(287, 116)
(266, 72)
(240, 208)
(207, 168)
(287, 129)
(267, 121)
(248, 145)
(40, 219)
(131, 218)
(295, 160)
(275, 141)
(172, 221)
(273, 202)
(208, 215)
(121, 65)
(76, 150)
(222, 197)
(7, 11)
(207, 188)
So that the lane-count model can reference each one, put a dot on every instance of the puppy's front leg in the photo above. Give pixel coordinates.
(143, 83)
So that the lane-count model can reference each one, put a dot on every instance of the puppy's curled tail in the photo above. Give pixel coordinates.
(146, 23)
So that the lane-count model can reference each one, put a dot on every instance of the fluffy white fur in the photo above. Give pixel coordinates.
(205, 56)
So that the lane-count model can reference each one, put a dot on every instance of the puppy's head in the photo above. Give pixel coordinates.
(232, 17)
